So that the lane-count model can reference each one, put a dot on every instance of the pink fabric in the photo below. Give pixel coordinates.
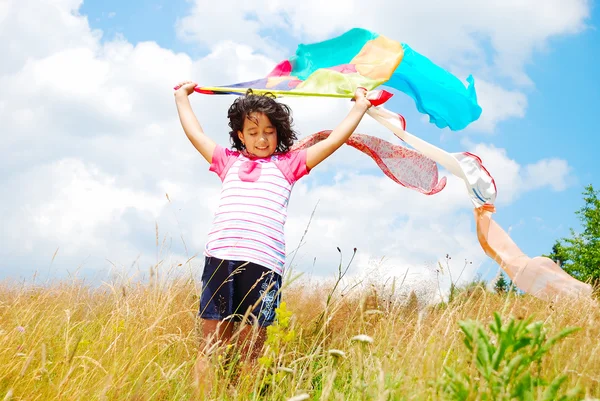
(344, 68)
(282, 69)
(292, 164)
(249, 222)
(538, 276)
(250, 171)
(222, 159)
(405, 166)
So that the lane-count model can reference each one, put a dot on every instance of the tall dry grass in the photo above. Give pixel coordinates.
(124, 341)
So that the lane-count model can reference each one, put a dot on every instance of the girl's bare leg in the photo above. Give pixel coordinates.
(252, 340)
(212, 332)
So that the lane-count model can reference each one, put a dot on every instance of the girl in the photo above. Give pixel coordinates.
(245, 249)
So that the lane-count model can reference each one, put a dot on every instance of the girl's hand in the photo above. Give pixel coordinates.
(185, 88)
(360, 97)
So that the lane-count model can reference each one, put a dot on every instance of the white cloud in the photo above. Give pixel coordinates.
(79, 199)
(497, 104)
(238, 22)
(4, 9)
(384, 221)
(548, 172)
(34, 29)
(77, 209)
(513, 180)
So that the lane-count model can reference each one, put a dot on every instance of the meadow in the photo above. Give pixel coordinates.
(129, 340)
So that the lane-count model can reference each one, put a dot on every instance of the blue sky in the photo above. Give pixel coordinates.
(138, 21)
(558, 121)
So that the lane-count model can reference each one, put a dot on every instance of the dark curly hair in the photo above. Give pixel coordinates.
(279, 114)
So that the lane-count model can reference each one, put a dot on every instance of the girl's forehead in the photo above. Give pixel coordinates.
(256, 118)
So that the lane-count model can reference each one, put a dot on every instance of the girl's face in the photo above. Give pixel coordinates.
(259, 136)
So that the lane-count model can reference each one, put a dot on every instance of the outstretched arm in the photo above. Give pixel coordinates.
(189, 122)
(322, 150)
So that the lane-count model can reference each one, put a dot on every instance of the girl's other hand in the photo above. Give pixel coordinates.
(360, 97)
(185, 87)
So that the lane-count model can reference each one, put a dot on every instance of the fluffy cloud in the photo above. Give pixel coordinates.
(210, 25)
(31, 30)
(513, 180)
(497, 104)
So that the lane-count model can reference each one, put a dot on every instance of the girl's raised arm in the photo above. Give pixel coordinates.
(322, 150)
(189, 122)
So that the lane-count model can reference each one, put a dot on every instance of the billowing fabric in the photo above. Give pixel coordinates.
(405, 166)
(435, 91)
(479, 183)
(361, 58)
(538, 276)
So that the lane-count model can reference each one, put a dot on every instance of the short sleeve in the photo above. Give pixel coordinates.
(222, 159)
(293, 165)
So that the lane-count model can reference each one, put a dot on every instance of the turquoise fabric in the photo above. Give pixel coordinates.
(329, 53)
(435, 91)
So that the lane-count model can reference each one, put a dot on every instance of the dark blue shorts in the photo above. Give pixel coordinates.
(230, 288)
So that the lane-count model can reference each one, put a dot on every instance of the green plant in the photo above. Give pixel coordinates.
(279, 335)
(579, 255)
(507, 362)
(501, 286)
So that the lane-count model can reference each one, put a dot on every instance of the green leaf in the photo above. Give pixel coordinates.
(458, 386)
(535, 329)
(496, 326)
(505, 362)
(521, 343)
(514, 368)
(510, 330)
(468, 328)
(574, 394)
(498, 357)
(562, 334)
(523, 389)
(552, 390)
(484, 349)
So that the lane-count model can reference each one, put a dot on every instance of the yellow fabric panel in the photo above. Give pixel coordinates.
(330, 81)
(379, 58)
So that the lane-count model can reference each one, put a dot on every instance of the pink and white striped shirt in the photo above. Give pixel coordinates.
(249, 222)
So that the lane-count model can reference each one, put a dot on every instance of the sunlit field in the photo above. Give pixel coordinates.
(126, 341)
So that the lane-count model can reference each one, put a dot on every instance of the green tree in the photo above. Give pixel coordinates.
(579, 255)
(501, 285)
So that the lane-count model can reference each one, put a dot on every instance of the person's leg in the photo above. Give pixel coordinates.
(257, 289)
(215, 310)
(216, 300)
(252, 339)
(214, 331)
(216, 334)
